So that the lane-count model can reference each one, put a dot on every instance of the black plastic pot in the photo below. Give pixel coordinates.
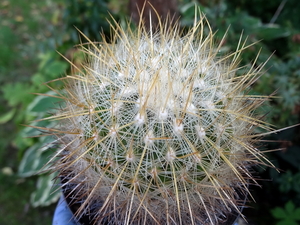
(89, 219)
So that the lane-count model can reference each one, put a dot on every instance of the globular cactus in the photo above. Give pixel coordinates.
(157, 128)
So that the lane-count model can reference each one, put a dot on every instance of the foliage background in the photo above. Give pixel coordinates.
(30, 33)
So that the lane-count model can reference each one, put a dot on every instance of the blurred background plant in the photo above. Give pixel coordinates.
(30, 34)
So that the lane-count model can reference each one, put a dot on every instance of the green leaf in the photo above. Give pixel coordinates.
(38, 79)
(289, 207)
(7, 116)
(46, 58)
(55, 69)
(297, 214)
(269, 32)
(279, 213)
(287, 222)
(47, 191)
(18, 93)
(43, 103)
(35, 158)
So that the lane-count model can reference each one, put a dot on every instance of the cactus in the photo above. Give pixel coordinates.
(157, 128)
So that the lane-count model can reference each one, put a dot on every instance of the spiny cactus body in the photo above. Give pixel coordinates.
(158, 129)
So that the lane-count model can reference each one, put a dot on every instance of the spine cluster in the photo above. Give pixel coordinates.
(157, 128)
